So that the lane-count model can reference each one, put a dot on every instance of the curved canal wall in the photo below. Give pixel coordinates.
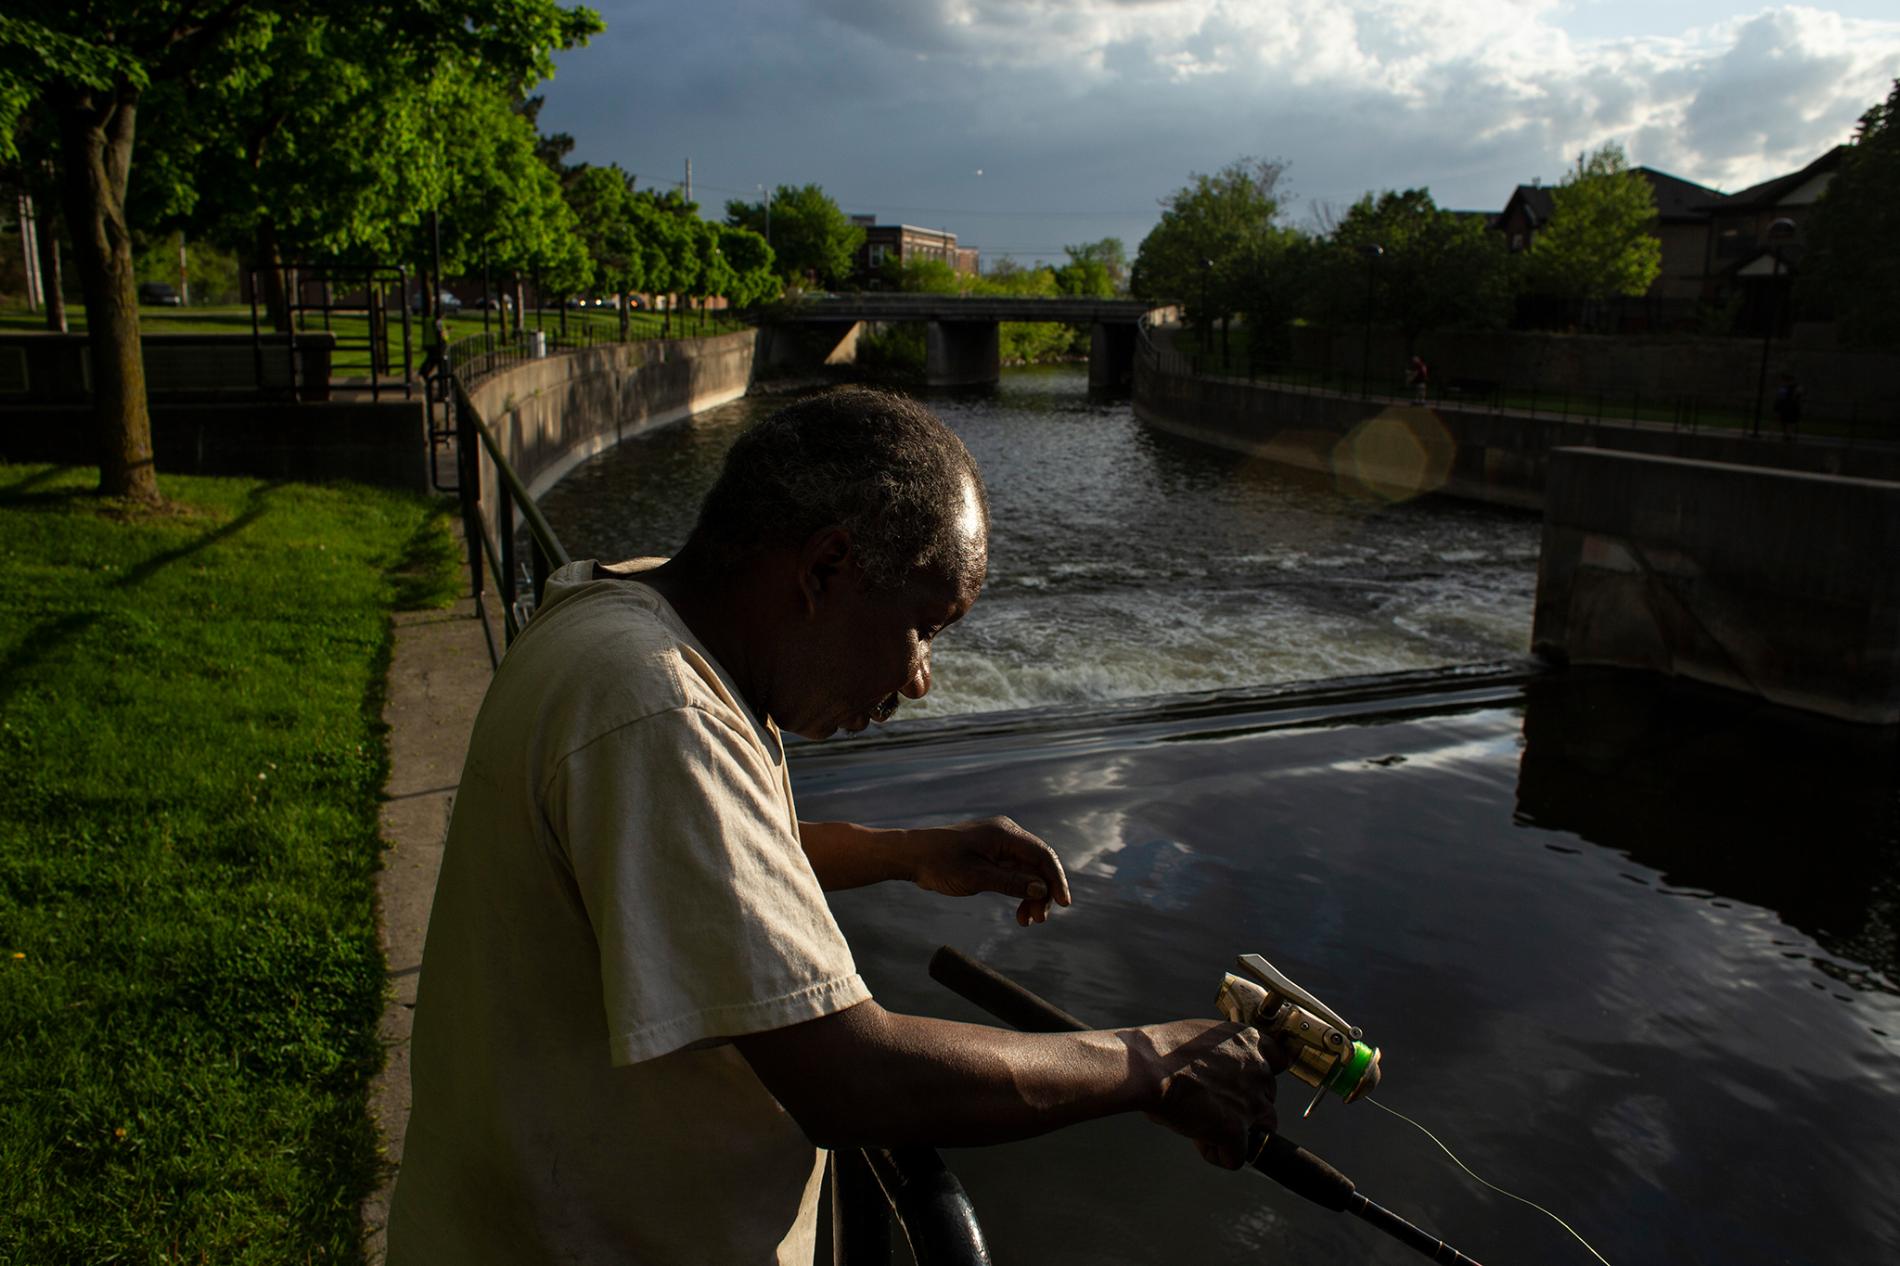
(550, 415)
(1394, 449)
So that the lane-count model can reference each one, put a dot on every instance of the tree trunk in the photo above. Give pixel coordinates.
(96, 130)
(47, 240)
(270, 277)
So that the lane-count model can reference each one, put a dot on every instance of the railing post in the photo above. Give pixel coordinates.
(860, 1215)
(538, 559)
(469, 458)
(505, 530)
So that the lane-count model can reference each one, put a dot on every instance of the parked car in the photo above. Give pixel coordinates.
(159, 295)
(449, 303)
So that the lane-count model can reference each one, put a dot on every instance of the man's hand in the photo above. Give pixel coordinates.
(1216, 1084)
(991, 855)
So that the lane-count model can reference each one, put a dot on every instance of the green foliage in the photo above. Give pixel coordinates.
(1433, 268)
(1095, 269)
(1599, 242)
(814, 242)
(1216, 238)
(602, 199)
(750, 262)
(921, 276)
(191, 763)
(1852, 256)
(1028, 342)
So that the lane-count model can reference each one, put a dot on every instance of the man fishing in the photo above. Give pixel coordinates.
(637, 1020)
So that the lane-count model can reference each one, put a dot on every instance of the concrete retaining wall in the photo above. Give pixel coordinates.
(1396, 450)
(1658, 367)
(384, 443)
(549, 416)
(1779, 583)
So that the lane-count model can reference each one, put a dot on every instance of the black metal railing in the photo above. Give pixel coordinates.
(909, 1187)
(1849, 420)
(519, 588)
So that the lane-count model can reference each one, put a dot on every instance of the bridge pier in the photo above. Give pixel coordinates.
(1111, 356)
(962, 353)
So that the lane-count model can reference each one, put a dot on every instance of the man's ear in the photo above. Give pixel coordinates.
(826, 562)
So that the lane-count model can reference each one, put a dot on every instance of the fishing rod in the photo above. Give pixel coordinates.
(1326, 1053)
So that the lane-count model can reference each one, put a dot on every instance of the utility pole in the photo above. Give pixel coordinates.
(689, 180)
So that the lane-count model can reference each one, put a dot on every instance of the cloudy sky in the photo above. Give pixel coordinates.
(1025, 125)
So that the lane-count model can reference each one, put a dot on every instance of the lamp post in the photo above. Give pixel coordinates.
(765, 197)
(1780, 231)
(1372, 251)
(1206, 316)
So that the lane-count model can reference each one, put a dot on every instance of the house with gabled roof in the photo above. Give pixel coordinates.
(1681, 227)
(1743, 259)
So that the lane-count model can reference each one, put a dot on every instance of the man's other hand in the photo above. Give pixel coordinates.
(990, 855)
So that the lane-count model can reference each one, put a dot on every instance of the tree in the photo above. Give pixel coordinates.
(96, 66)
(1436, 268)
(1215, 237)
(1095, 269)
(750, 261)
(1600, 241)
(1852, 260)
(814, 242)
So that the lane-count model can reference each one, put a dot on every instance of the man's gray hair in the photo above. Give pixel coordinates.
(877, 464)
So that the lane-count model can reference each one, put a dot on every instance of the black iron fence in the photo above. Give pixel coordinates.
(1821, 415)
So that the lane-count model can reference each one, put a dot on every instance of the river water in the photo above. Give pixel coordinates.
(1631, 948)
(1127, 563)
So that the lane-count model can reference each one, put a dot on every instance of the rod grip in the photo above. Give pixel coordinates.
(1279, 1158)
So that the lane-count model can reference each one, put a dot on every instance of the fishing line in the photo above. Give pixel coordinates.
(1487, 1182)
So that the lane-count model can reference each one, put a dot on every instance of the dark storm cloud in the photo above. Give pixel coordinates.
(1103, 107)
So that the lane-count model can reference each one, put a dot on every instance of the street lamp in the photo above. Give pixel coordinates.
(1780, 231)
(1206, 322)
(1372, 251)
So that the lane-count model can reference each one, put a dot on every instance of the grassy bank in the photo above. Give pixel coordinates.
(190, 765)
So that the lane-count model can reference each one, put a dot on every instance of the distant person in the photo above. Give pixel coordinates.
(1788, 406)
(1418, 375)
(637, 1020)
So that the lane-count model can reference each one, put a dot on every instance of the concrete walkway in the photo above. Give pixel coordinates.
(437, 676)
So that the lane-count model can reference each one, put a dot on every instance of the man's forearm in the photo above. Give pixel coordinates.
(846, 855)
(868, 1077)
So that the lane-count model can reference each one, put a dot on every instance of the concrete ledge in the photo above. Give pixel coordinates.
(1781, 584)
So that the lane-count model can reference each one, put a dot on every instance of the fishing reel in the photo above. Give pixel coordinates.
(1323, 1050)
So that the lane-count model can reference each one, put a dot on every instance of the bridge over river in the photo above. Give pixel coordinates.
(961, 346)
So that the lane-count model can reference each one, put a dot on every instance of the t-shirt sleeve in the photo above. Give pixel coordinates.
(709, 920)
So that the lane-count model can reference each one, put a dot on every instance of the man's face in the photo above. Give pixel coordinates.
(866, 651)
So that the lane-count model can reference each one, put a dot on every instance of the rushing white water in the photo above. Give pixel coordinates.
(1124, 562)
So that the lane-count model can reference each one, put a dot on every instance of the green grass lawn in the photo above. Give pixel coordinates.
(191, 760)
(352, 329)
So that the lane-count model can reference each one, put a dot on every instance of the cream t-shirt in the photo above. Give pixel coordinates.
(622, 890)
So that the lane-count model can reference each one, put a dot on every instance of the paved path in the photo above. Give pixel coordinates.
(437, 675)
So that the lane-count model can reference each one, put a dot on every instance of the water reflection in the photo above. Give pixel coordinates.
(1579, 917)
